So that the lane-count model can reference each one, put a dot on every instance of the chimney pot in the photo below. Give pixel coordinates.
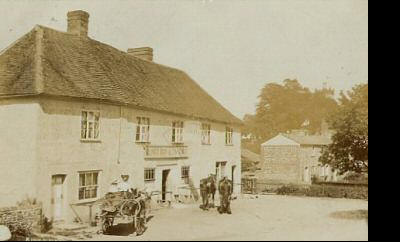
(78, 23)
(144, 53)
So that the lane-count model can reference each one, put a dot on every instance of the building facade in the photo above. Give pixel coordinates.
(294, 159)
(76, 113)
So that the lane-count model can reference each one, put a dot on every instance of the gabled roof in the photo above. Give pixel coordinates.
(310, 139)
(294, 139)
(50, 62)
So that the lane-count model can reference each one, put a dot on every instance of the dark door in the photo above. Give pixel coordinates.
(165, 174)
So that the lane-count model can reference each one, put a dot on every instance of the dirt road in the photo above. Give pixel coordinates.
(265, 218)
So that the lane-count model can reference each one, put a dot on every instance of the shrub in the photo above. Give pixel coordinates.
(326, 190)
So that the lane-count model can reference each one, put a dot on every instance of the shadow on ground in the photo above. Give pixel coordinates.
(352, 214)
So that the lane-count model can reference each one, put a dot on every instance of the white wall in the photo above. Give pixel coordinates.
(18, 150)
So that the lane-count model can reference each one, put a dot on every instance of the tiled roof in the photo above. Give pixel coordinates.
(309, 139)
(50, 62)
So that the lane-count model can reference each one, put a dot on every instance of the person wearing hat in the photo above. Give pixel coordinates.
(124, 185)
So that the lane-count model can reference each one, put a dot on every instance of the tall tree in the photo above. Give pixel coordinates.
(349, 149)
(285, 107)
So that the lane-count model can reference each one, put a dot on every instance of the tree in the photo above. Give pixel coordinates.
(282, 108)
(349, 148)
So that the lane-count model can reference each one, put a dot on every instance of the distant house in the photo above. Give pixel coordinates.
(294, 158)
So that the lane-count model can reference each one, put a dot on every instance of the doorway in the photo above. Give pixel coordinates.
(57, 199)
(165, 174)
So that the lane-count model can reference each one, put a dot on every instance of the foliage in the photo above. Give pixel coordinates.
(282, 108)
(326, 190)
(349, 148)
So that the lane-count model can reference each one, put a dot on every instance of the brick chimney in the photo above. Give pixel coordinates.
(145, 53)
(78, 23)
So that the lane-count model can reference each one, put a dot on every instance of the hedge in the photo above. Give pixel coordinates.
(334, 190)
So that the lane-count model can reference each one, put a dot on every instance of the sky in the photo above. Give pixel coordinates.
(230, 48)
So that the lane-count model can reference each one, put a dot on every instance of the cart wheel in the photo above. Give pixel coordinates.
(106, 226)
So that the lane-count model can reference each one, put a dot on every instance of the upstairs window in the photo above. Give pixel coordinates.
(90, 125)
(143, 129)
(206, 134)
(228, 136)
(177, 132)
(185, 174)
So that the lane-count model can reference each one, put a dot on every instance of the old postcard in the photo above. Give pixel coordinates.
(184, 120)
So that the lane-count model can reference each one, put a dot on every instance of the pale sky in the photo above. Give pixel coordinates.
(231, 48)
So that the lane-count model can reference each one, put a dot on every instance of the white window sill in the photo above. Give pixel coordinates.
(228, 144)
(206, 143)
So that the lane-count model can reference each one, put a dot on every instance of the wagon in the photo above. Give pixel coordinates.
(123, 206)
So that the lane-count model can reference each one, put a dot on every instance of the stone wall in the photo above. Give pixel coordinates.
(25, 218)
(280, 164)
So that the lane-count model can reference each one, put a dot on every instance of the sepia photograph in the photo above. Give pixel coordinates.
(196, 120)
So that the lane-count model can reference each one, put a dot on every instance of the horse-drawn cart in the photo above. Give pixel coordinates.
(123, 206)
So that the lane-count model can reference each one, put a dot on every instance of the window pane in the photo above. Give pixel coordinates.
(97, 117)
(84, 130)
(95, 178)
(84, 116)
(82, 180)
(81, 193)
(87, 193)
(91, 116)
(90, 131)
(89, 179)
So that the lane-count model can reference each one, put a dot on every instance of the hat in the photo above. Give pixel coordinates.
(114, 181)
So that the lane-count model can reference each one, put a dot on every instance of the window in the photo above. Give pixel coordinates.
(149, 174)
(205, 134)
(143, 129)
(177, 132)
(90, 125)
(88, 185)
(185, 174)
(228, 136)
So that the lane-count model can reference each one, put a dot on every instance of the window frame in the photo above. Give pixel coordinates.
(205, 133)
(228, 135)
(177, 132)
(85, 130)
(142, 129)
(87, 187)
(153, 174)
(185, 174)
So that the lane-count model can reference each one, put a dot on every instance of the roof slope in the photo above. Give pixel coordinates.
(46, 61)
(310, 139)
(295, 139)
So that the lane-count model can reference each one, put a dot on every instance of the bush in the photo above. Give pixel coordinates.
(326, 190)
